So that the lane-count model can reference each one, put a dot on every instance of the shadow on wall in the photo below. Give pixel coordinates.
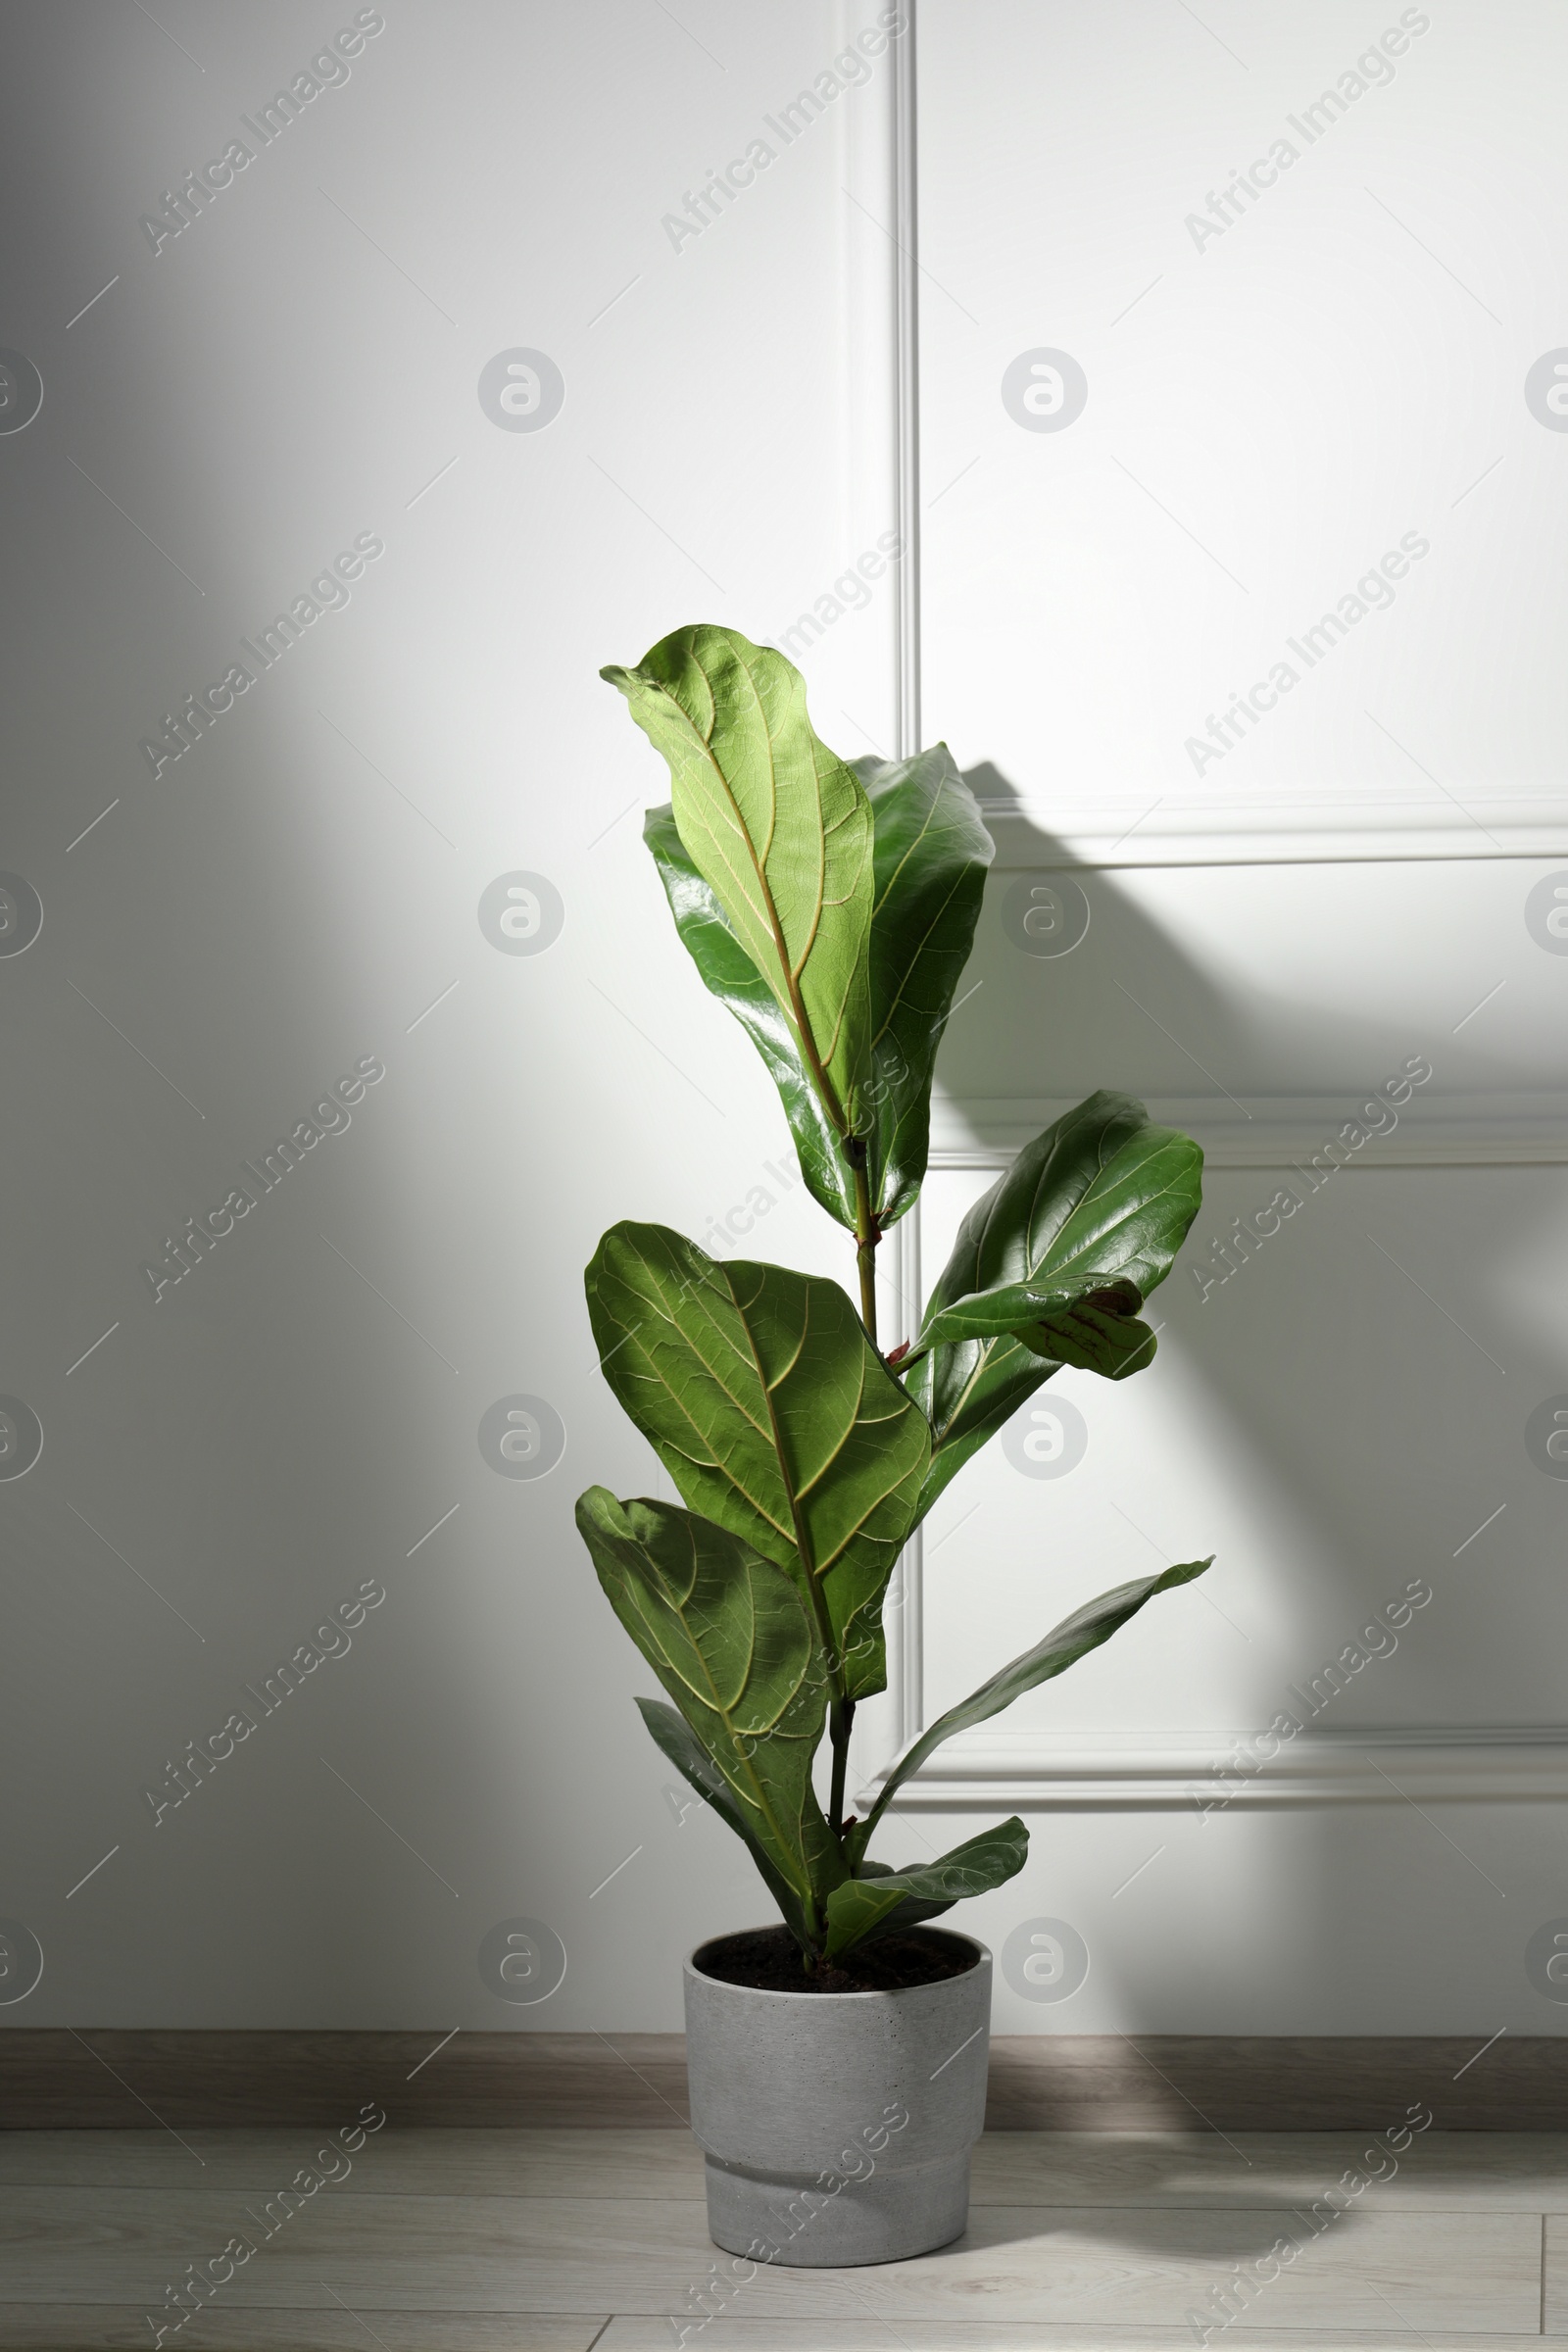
(1329, 1364)
(1128, 1008)
(1133, 1012)
(228, 1464)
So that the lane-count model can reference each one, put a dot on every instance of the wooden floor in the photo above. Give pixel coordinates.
(556, 2241)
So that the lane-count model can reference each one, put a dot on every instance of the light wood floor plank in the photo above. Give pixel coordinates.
(1519, 2171)
(609, 2163)
(1001, 2335)
(1525, 2172)
(116, 2328)
(1554, 2274)
(648, 2256)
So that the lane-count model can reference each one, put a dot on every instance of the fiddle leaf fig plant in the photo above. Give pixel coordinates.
(832, 905)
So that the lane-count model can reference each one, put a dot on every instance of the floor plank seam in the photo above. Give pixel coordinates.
(1048, 2247)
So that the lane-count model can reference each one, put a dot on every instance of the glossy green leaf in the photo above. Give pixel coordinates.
(729, 1636)
(1073, 1639)
(774, 1414)
(932, 850)
(883, 1903)
(1098, 1333)
(673, 1735)
(780, 829)
(1104, 1197)
(1095, 1208)
(730, 974)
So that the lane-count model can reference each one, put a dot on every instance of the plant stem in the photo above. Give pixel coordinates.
(842, 1723)
(867, 1234)
(841, 1707)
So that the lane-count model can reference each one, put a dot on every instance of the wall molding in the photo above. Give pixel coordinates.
(1366, 830)
(1276, 1131)
(1435, 1764)
(55, 2080)
(1197, 1773)
(899, 1276)
(906, 393)
(1273, 1133)
(1179, 827)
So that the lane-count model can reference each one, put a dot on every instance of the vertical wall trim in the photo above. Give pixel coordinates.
(906, 419)
(906, 1646)
(906, 1659)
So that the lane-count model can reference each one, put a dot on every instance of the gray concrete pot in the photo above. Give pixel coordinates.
(837, 2126)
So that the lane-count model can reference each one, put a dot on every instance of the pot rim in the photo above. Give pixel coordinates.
(894, 1992)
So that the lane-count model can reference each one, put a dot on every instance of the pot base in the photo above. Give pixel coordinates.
(786, 2220)
(837, 2126)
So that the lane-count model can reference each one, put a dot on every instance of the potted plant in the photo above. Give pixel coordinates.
(838, 2060)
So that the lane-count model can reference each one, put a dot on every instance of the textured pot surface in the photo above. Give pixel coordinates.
(837, 2126)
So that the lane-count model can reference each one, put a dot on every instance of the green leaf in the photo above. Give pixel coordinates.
(1095, 1208)
(779, 828)
(774, 1414)
(1073, 1639)
(673, 1735)
(730, 974)
(932, 850)
(1100, 1203)
(884, 1903)
(729, 1636)
(1096, 1333)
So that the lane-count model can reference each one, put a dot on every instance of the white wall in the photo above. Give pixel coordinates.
(302, 888)
(1275, 926)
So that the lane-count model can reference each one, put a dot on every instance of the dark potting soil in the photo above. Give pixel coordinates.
(770, 1960)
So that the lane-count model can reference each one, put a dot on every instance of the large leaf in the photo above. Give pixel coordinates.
(730, 975)
(1094, 1209)
(774, 1414)
(930, 857)
(891, 1900)
(779, 828)
(931, 852)
(673, 1735)
(1063, 1647)
(1096, 1333)
(730, 1638)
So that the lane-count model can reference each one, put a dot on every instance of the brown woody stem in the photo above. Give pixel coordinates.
(843, 1721)
(867, 1232)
